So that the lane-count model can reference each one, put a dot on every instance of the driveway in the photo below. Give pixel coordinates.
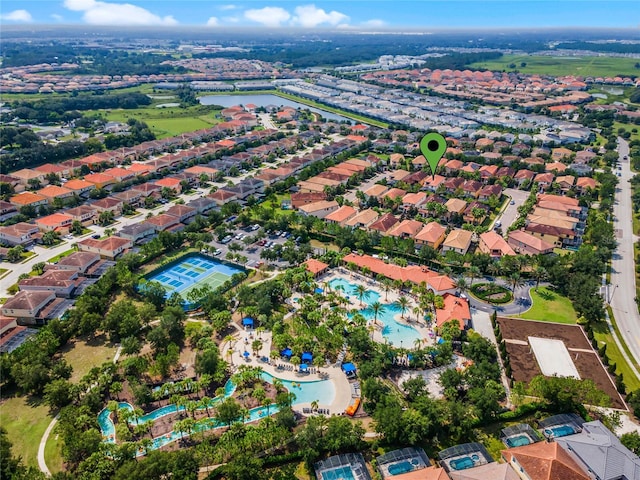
(510, 214)
(520, 305)
(622, 293)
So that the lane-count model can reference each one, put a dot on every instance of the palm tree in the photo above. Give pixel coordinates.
(361, 293)
(417, 343)
(539, 273)
(403, 304)
(474, 272)
(377, 308)
(204, 402)
(462, 284)
(417, 310)
(314, 406)
(516, 281)
(387, 286)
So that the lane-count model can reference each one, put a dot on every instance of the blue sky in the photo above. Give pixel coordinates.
(345, 14)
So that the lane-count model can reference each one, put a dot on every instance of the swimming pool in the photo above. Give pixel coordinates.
(401, 467)
(340, 473)
(322, 391)
(559, 431)
(194, 269)
(396, 333)
(463, 463)
(518, 441)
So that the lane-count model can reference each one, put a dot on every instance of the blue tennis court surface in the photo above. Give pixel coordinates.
(193, 271)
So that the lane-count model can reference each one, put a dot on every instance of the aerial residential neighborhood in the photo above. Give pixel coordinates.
(234, 252)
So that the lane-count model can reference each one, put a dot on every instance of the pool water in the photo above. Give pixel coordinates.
(340, 473)
(400, 468)
(397, 334)
(462, 463)
(560, 431)
(322, 391)
(518, 441)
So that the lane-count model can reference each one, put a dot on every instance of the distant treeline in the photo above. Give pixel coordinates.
(29, 151)
(92, 60)
(52, 110)
(599, 47)
(327, 54)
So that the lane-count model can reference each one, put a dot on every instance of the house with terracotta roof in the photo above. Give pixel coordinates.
(525, 243)
(376, 191)
(341, 215)
(555, 167)
(429, 473)
(184, 213)
(148, 190)
(544, 461)
(21, 233)
(470, 214)
(26, 174)
(561, 153)
(489, 471)
(139, 231)
(49, 168)
(223, 196)
(164, 222)
(413, 200)
(384, 223)
(120, 174)
(299, 199)
(108, 248)
(556, 234)
(453, 166)
(395, 159)
(454, 308)
(79, 262)
(61, 282)
(171, 183)
(28, 199)
(405, 229)
(397, 176)
(315, 267)
(108, 204)
(417, 274)
(432, 234)
(601, 453)
(455, 206)
(140, 169)
(319, 209)
(7, 211)
(566, 182)
(362, 219)
(79, 186)
(458, 240)
(53, 191)
(202, 170)
(488, 191)
(100, 180)
(495, 245)
(522, 176)
(544, 180)
(58, 222)
(432, 182)
(586, 184)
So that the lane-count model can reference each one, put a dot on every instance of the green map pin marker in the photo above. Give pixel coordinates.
(433, 146)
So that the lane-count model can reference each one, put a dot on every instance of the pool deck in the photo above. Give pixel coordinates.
(425, 331)
(334, 374)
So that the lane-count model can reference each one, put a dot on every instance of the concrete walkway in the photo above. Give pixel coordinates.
(42, 464)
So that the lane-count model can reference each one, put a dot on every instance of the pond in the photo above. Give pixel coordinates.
(262, 100)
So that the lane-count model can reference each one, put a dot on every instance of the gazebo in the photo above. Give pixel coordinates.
(349, 369)
(286, 352)
(247, 322)
(306, 357)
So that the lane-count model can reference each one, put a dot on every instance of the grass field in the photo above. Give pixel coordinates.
(548, 306)
(558, 66)
(84, 354)
(53, 452)
(615, 356)
(25, 422)
(166, 122)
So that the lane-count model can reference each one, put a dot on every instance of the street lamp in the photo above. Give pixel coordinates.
(612, 292)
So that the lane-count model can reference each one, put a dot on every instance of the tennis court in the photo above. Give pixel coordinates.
(193, 271)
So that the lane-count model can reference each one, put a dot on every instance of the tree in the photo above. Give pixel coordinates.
(361, 293)
(228, 411)
(155, 293)
(76, 227)
(377, 309)
(403, 304)
(14, 254)
(566, 394)
(105, 218)
(50, 238)
(58, 393)
(515, 279)
(631, 440)
(539, 273)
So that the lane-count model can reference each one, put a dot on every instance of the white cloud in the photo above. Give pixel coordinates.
(228, 7)
(375, 22)
(17, 16)
(105, 13)
(56, 17)
(268, 16)
(309, 16)
(213, 22)
(231, 19)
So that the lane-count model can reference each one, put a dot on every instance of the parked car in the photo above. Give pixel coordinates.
(96, 236)
(217, 252)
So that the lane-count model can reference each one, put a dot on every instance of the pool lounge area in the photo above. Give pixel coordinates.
(397, 333)
(401, 461)
(464, 456)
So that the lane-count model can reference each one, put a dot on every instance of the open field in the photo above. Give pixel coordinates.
(548, 306)
(558, 66)
(84, 354)
(615, 356)
(53, 453)
(165, 122)
(525, 366)
(25, 421)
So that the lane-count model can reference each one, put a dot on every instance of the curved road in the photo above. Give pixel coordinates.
(622, 291)
(521, 303)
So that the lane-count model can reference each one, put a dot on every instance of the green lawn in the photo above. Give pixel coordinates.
(84, 354)
(66, 253)
(25, 421)
(549, 306)
(615, 356)
(558, 66)
(165, 122)
(53, 452)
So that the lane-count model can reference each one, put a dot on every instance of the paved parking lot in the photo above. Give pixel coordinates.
(510, 214)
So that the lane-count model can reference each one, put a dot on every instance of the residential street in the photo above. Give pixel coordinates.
(622, 291)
